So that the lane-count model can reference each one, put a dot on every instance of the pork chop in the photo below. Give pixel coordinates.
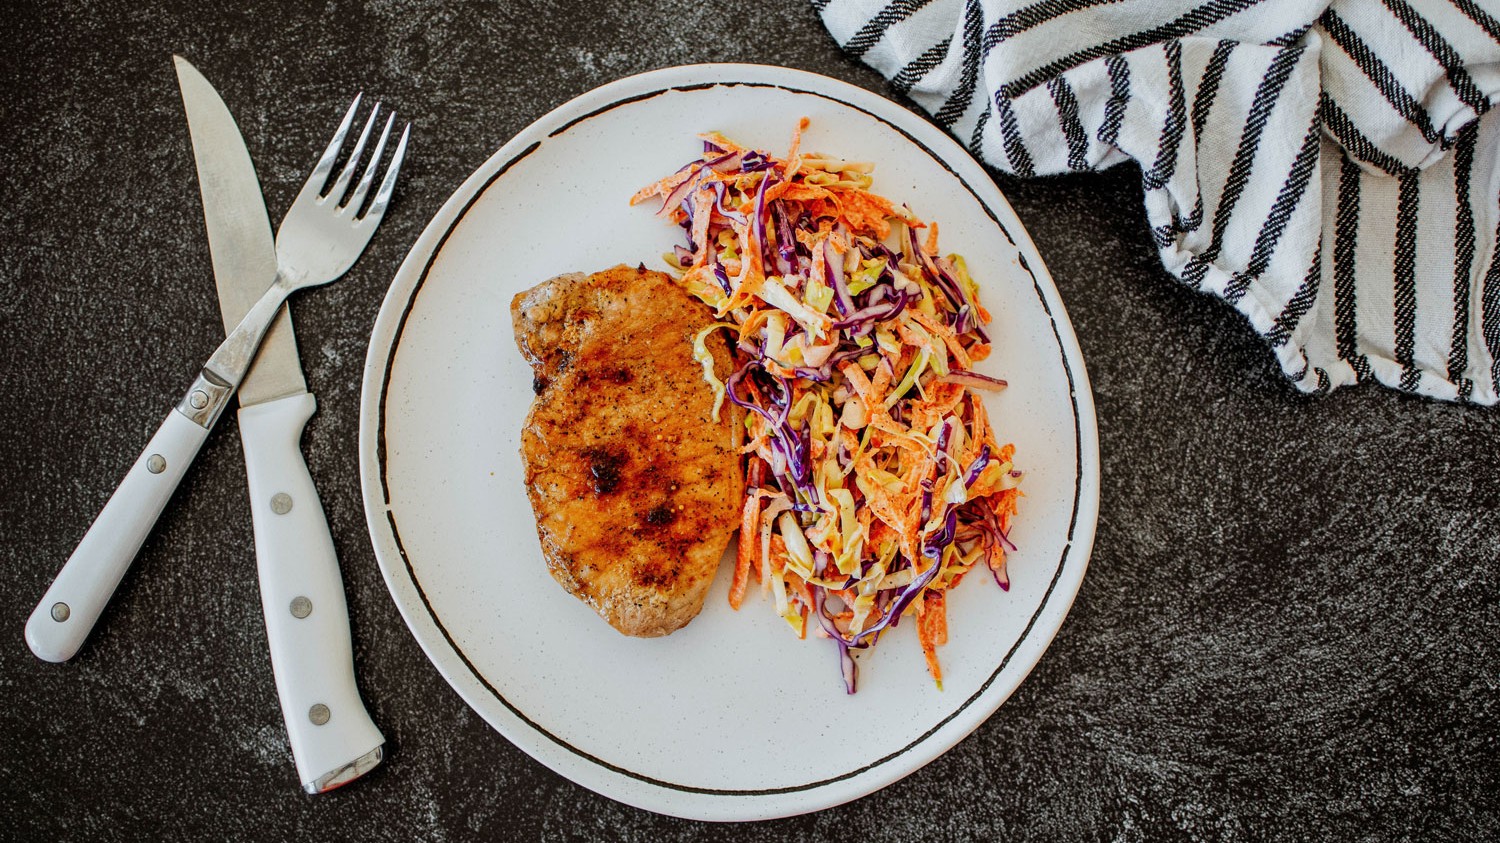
(635, 487)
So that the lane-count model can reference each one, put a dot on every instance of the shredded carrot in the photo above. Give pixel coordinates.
(932, 630)
(949, 337)
(798, 192)
(791, 154)
(749, 544)
(865, 212)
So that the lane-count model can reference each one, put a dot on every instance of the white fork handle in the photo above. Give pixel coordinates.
(307, 620)
(72, 604)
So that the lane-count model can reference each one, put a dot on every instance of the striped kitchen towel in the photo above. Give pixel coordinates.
(1332, 170)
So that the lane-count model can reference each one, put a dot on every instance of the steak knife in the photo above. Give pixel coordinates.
(332, 737)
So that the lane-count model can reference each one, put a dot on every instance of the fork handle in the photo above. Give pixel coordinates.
(74, 601)
(76, 598)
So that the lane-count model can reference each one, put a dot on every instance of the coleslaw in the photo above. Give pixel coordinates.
(874, 481)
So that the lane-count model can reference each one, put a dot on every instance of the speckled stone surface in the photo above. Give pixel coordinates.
(1289, 630)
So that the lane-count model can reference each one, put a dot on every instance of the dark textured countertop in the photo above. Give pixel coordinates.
(1289, 628)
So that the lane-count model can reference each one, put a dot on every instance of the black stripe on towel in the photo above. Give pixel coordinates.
(921, 66)
(875, 28)
(1379, 74)
(1479, 16)
(1490, 313)
(1463, 252)
(1300, 303)
(977, 137)
(1033, 16)
(1010, 136)
(1452, 62)
(1199, 18)
(1345, 239)
(963, 93)
(1119, 95)
(1292, 191)
(1193, 220)
(1170, 141)
(1072, 127)
(1208, 86)
(1203, 103)
(1266, 97)
(1404, 269)
(1353, 141)
(1287, 39)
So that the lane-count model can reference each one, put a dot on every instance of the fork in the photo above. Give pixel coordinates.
(317, 242)
(319, 239)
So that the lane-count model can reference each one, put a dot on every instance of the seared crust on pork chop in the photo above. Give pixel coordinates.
(635, 487)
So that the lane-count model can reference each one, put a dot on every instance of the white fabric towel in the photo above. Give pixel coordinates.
(1332, 170)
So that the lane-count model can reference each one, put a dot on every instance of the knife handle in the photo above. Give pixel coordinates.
(307, 621)
(62, 620)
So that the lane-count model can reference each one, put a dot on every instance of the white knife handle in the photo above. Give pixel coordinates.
(61, 622)
(307, 621)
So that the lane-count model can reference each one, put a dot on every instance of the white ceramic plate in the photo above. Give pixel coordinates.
(732, 717)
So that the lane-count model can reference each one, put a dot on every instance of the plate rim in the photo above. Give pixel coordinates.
(687, 800)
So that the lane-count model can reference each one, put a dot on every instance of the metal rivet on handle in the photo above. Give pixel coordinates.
(301, 607)
(281, 503)
(156, 464)
(198, 399)
(318, 714)
(60, 612)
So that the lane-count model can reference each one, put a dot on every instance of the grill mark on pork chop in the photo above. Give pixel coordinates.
(604, 469)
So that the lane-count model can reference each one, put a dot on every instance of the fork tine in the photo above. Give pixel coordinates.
(388, 184)
(341, 186)
(320, 173)
(363, 187)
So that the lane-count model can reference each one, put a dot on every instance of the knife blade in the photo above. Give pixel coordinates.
(332, 737)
